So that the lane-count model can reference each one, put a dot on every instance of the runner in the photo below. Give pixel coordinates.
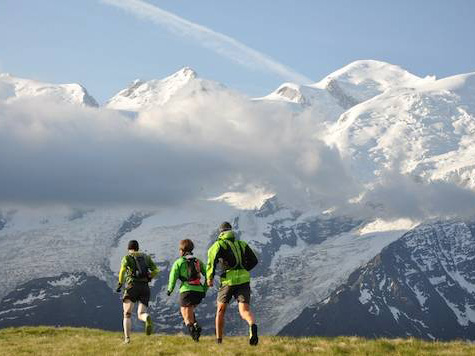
(236, 259)
(188, 269)
(137, 270)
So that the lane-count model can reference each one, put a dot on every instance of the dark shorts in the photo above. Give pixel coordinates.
(241, 292)
(191, 298)
(138, 291)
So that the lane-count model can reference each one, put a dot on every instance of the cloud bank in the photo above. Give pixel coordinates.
(196, 147)
(401, 196)
(220, 43)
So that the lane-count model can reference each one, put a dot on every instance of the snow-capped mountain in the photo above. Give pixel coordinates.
(382, 117)
(291, 247)
(362, 80)
(145, 95)
(421, 285)
(339, 91)
(12, 88)
(378, 115)
(427, 130)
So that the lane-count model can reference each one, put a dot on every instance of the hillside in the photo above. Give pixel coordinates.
(71, 341)
(420, 285)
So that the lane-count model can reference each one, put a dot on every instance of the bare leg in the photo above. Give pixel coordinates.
(188, 315)
(246, 314)
(221, 310)
(145, 317)
(128, 306)
(142, 312)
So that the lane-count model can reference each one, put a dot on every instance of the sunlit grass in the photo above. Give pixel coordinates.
(82, 341)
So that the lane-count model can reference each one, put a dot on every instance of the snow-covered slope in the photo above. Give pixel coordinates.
(422, 285)
(70, 299)
(48, 243)
(12, 88)
(142, 96)
(427, 130)
(362, 80)
(299, 97)
(292, 248)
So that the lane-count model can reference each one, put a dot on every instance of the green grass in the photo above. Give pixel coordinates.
(81, 341)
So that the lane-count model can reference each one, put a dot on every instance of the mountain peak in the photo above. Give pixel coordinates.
(381, 74)
(364, 79)
(348, 86)
(13, 88)
(186, 72)
(185, 75)
(142, 95)
(291, 92)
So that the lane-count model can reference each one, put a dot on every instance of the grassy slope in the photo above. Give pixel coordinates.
(77, 341)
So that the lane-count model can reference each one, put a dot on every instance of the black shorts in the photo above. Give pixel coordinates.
(191, 298)
(137, 291)
(241, 292)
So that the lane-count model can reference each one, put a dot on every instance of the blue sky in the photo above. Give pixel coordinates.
(105, 48)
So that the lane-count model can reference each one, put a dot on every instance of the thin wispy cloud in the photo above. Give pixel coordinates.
(218, 42)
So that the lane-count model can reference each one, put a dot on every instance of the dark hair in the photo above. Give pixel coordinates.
(133, 245)
(225, 226)
(186, 245)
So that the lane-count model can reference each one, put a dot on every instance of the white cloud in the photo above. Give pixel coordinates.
(250, 199)
(218, 42)
(194, 148)
(401, 196)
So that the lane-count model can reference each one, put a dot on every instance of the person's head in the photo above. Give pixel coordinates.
(225, 226)
(133, 245)
(186, 247)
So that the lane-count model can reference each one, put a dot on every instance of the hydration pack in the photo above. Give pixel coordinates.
(194, 271)
(140, 269)
(243, 256)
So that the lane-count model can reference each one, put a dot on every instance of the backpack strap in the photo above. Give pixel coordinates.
(197, 266)
(237, 252)
(137, 266)
(131, 263)
(180, 276)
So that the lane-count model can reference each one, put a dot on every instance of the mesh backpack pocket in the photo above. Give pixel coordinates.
(194, 271)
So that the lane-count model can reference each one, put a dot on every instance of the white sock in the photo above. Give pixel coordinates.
(143, 317)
